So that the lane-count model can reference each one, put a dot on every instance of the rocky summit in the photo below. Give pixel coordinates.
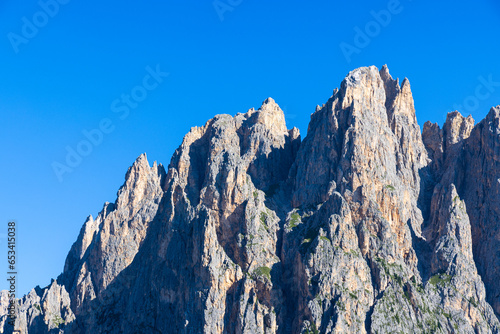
(367, 225)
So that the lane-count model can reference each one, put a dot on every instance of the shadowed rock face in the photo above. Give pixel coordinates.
(480, 187)
(366, 226)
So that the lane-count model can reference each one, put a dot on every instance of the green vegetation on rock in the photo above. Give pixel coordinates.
(262, 272)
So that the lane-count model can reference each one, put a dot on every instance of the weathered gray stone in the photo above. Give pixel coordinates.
(367, 226)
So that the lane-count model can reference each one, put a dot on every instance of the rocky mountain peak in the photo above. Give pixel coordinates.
(363, 86)
(444, 144)
(365, 113)
(271, 116)
(137, 180)
(494, 116)
(457, 128)
(366, 226)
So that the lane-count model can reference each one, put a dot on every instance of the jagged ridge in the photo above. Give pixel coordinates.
(368, 225)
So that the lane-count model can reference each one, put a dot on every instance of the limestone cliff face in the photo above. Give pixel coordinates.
(366, 226)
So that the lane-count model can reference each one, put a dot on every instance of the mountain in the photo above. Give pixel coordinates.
(368, 225)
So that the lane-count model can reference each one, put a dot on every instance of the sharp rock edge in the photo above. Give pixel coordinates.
(368, 225)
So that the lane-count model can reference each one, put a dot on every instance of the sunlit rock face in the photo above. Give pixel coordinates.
(367, 225)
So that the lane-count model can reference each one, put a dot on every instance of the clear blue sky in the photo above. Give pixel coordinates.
(64, 78)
